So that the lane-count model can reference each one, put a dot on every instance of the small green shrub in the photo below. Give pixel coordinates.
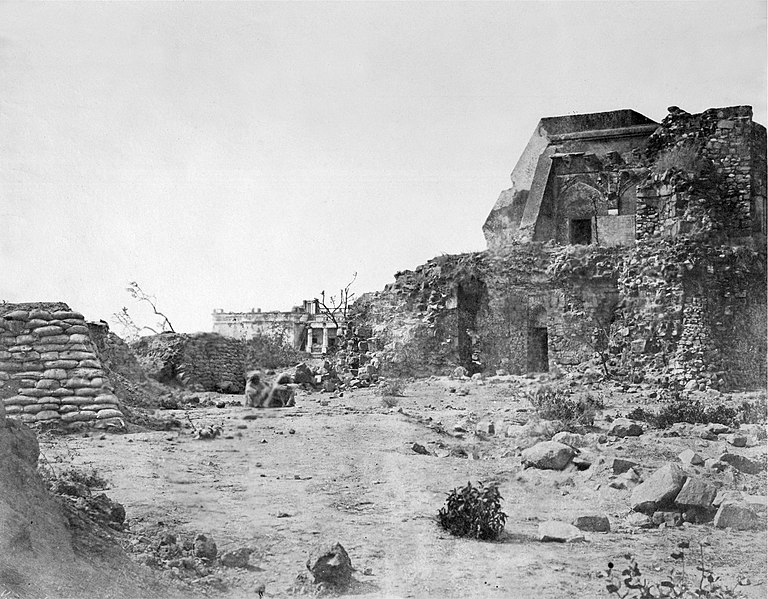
(692, 412)
(473, 512)
(630, 584)
(684, 158)
(90, 478)
(87, 477)
(390, 401)
(391, 388)
(753, 412)
(553, 402)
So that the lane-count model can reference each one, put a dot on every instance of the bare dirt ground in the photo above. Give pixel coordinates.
(343, 469)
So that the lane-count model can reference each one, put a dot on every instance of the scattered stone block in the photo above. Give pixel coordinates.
(724, 495)
(626, 480)
(757, 503)
(624, 427)
(736, 516)
(696, 493)
(205, 547)
(659, 489)
(572, 439)
(621, 465)
(559, 532)
(718, 429)
(238, 558)
(736, 439)
(741, 463)
(716, 465)
(548, 455)
(331, 566)
(420, 449)
(638, 520)
(667, 518)
(688, 456)
(592, 523)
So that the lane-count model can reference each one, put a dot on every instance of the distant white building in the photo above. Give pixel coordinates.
(305, 327)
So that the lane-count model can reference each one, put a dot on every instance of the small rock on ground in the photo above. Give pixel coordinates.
(548, 455)
(560, 532)
(593, 523)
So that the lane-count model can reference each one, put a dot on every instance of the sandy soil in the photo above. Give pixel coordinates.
(342, 469)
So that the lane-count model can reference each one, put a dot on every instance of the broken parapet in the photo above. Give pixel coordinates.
(49, 369)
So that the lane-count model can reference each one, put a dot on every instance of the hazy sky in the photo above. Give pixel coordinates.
(251, 155)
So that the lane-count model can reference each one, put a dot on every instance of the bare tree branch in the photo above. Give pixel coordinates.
(140, 295)
(336, 309)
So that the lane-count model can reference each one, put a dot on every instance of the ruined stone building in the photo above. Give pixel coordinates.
(634, 245)
(305, 327)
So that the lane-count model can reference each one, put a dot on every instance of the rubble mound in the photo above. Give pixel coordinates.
(48, 546)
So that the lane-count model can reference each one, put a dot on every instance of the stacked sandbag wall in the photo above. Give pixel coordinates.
(49, 370)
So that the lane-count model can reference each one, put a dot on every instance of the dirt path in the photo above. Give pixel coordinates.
(343, 469)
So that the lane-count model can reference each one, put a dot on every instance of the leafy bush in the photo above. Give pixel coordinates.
(684, 158)
(390, 388)
(692, 412)
(753, 412)
(473, 512)
(90, 478)
(676, 585)
(390, 401)
(553, 402)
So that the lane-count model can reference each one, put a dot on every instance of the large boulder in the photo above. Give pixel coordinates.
(659, 490)
(331, 566)
(548, 455)
(734, 515)
(696, 493)
(741, 463)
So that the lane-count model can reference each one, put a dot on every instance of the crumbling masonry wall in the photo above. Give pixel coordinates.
(210, 361)
(484, 310)
(49, 370)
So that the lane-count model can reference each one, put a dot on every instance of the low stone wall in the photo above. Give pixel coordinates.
(215, 362)
(209, 360)
(49, 369)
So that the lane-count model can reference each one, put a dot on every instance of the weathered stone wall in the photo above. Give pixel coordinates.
(685, 313)
(209, 360)
(707, 175)
(206, 359)
(692, 314)
(487, 307)
(214, 362)
(49, 368)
